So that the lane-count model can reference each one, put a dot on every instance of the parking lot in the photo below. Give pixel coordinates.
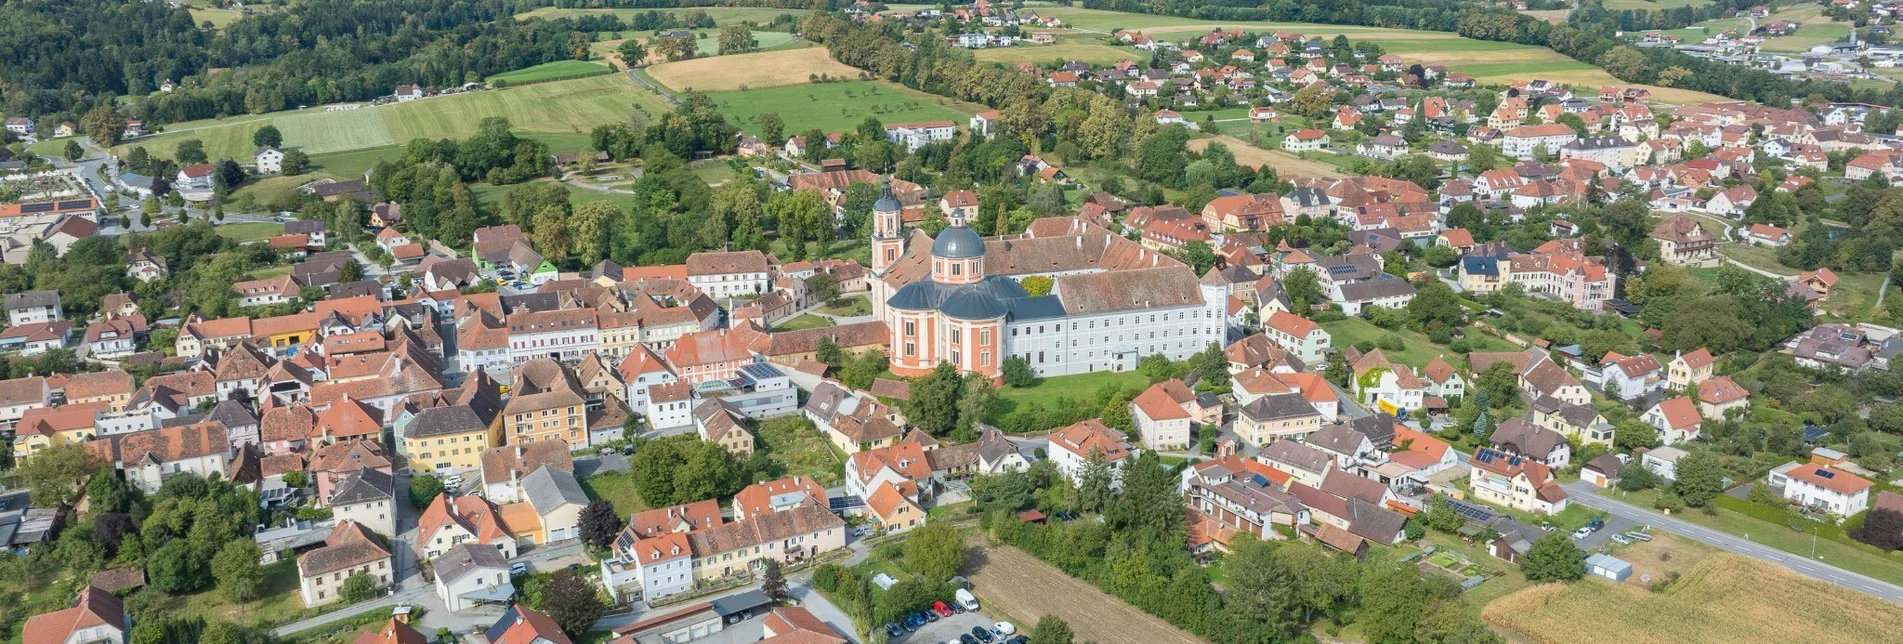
(947, 629)
(1603, 536)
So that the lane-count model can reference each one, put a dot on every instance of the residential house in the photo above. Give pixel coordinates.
(1074, 448)
(1662, 461)
(1521, 438)
(1163, 415)
(1306, 465)
(557, 498)
(1628, 377)
(1718, 395)
(350, 550)
(1275, 418)
(449, 521)
(34, 306)
(1515, 482)
(1821, 488)
(1688, 369)
(1233, 495)
(467, 577)
(1676, 419)
(1297, 335)
(98, 617)
(368, 497)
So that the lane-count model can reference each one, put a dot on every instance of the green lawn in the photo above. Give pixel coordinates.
(1649, 5)
(721, 15)
(1807, 36)
(713, 171)
(1082, 386)
(1851, 556)
(280, 602)
(836, 107)
(617, 488)
(554, 70)
(803, 321)
(1090, 49)
(801, 450)
(274, 271)
(250, 231)
(851, 306)
(1419, 351)
(1483, 70)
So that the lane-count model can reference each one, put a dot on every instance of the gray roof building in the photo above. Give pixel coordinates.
(549, 488)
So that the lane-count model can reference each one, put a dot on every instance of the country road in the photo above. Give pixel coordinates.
(1587, 494)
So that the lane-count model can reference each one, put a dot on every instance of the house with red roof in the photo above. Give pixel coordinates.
(1821, 488)
(97, 617)
(1515, 482)
(1719, 395)
(1688, 369)
(1167, 413)
(1676, 419)
(1073, 448)
(1234, 495)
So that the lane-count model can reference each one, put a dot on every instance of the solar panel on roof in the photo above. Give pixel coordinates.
(1826, 474)
(1258, 479)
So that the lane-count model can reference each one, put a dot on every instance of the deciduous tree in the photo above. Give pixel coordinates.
(1554, 558)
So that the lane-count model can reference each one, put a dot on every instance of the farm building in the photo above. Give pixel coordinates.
(1608, 566)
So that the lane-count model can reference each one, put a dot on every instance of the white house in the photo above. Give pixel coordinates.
(664, 565)
(1663, 461)
(1676, 419)
(1523, 142)
(730, 273)
(33, 306)
(98, 618)
(1297, 335)
(270, 160)
(1073, 447)
(1305, 140)
(367, 496)
(1818, 487)
(467, 577)
(1628, 377)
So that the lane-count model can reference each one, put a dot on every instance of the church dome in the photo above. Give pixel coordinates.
(958, 242)
(887, 202)
(972, 304)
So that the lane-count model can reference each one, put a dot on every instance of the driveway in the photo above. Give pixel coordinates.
(948, 629)
(1587, 494)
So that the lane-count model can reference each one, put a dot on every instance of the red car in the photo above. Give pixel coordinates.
(941, 609)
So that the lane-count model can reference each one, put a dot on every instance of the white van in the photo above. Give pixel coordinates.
(965, 599)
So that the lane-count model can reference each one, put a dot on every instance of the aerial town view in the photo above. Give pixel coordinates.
(985, 322)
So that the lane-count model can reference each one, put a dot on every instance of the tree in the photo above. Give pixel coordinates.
(221, 632)
(1051, 629)
(589, 228)
(1634, 477)
(632, 53)
(424, 488)
(267, 136)
(57, 474)
(1700, 478)
(1302, 288)
(1116, 413)
(772, 128)
(1313, 101)
(773, 582)
(737, 38)
(295, 162)
(228, 177)
(1435, 307)
(934, 403)
(359, 586)
(237, 571)
(935, 551)
(74, 152)
(1554, 558)
(190, 151)
(599, 523)
(572, 602)
(1882, 527)
(175, 568)
(1093, 482)
(1037, 285)
(1018, 372)
(974, 403)
(1441, 515)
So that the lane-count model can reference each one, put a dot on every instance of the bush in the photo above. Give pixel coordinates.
(1392, 342)
(1668, 501)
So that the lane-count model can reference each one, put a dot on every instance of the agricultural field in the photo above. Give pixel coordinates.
(1016, 586)
(1101, 21)
(1806, 37)
(1419, 351)
(546, 71)
(1090, 49)
(835, 107)
(721, 15)
(250, 231)
(1726, 598)
(750, 71)
(1287, 163)
(571, 107)
(709, 45)
(1652, 5)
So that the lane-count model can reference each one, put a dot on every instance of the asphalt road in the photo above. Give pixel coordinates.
(1587, 494)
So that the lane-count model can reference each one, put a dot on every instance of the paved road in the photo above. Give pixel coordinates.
(1586, 493)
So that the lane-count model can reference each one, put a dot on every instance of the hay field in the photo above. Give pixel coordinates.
(559, 107)
(750, 71)
(1098, 20)
(1587, 77)
(721, 15)
(1727, 598)
(562, 106)
(544, 71)
(1010, 582)
(835, 107)
(1287, 163)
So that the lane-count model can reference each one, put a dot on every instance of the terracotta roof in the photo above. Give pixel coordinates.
(522, 625)
(1422, 449)
(722, 263)
(164, 445)
(98, 384)
(764, 528)
(1829, 478)
(523, 458)
(96, 607)
(1720, 390)
(1084, 436)
(685, 517)
(758, 497)
(886, 500)
(907, 459)
(1157, 403)
(1679, 412)
(472, 513)
(392, 632)
(1291, 324)
(1697, 359)
(349, 545)
(349, 456)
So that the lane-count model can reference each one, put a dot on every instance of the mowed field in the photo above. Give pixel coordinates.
(1098, 20)
(721, 15)
(1286, 163)
(835, 107)
(1090, 49)
(1015, 584)
(709, 46)
(1726, 598)
(571, 107)
(545, 71)
(750, 71)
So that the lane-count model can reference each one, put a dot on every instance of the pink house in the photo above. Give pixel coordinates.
(331, 463)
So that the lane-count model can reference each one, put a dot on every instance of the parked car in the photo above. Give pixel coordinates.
(1004, 628)
(1596, 524)
(931, 616)
(1582, 533)
(518, 569)
(1021, 639)
(1620, 539)
(941, 609)
(983, 634)
(893, 630)
(966, 639)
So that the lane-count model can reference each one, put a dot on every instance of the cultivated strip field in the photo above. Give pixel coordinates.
(750, 71)
(1286, 163)
(1080, 49)
(1014, 583)
(1727, 598)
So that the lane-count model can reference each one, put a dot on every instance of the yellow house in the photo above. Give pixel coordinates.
(287, 331)
(448, 438)
(894, 512)
(1688, 369)
(49, 427)
(112, 387)
(547, 403)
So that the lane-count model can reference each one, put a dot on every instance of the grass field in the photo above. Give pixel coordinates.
(803, 321)
(721, 15)
(1090, 49)
(1287, 163)
(834, 107)
(1009, 582)
(1419, 350)
(1098, 20)
(250, 231)
(571, 107)
(1726, 598)
(617, 488)
(1650, 5)
(1081, 386)
(709, 46)
(1855, 557)
(750, 71)
(545, 71)
(1807, 36)
(801, 450)
(219, 18)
